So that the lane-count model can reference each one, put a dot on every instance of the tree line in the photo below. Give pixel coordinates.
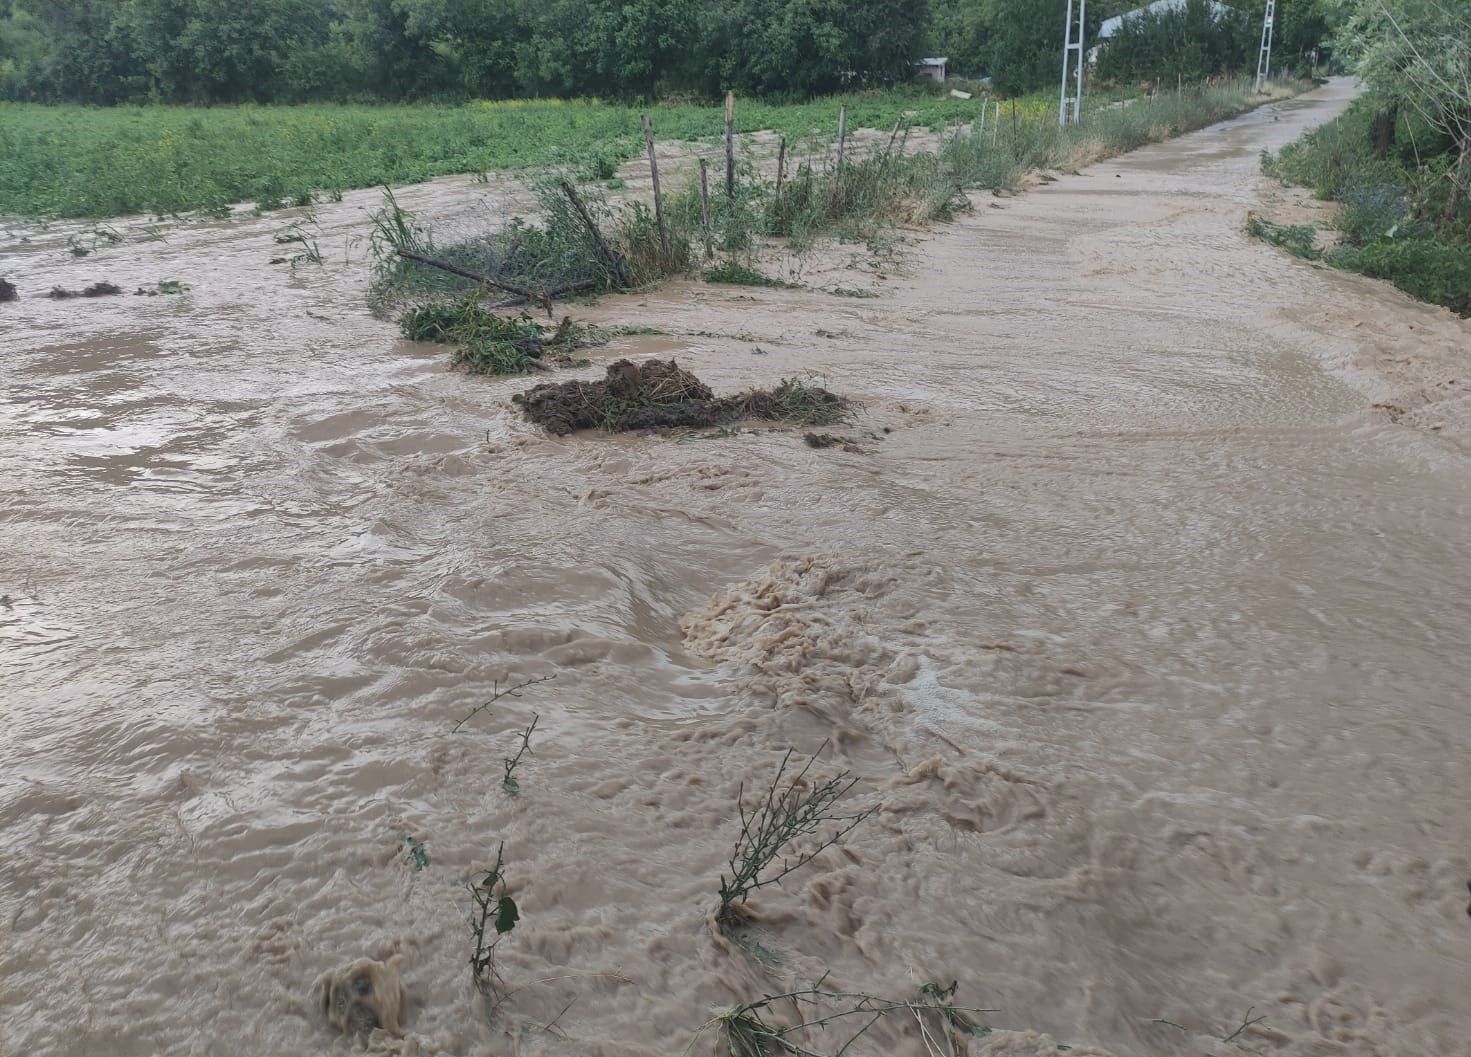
(269, 51)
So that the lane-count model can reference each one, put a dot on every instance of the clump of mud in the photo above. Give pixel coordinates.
(60, 293)
(832, 440)
(7, 291)
(661, 395)
(363, 996)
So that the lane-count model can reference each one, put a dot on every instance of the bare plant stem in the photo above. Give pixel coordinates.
(1246, 1022)
(513, 691)
(746, 1032)
(509, 782)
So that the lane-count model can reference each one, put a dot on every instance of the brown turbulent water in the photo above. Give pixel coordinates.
(1144, 627)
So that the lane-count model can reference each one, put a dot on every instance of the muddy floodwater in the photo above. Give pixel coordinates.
(1141, 614)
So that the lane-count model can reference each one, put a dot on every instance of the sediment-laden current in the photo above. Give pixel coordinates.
(1141, 616)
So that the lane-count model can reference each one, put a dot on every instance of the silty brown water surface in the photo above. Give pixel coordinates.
(1145, 628)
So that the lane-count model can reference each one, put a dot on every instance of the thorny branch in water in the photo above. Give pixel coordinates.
(512, 691)
(790, 809)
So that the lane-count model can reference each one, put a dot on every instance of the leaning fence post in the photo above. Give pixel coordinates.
(609, 254)
(658, 195)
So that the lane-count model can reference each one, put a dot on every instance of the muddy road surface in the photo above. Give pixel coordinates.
(1139, 622)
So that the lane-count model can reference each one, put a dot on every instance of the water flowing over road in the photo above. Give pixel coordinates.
(1143, 620)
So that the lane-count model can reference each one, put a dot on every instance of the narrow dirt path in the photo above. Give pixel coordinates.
(1143, 625)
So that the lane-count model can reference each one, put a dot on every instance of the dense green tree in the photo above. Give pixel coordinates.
(24, 50)
(205, 51)
(222, 50)
(803, 47)
(559, 54)
(1193, 41)
(642, 42)
(1025, 47)
(76, 56)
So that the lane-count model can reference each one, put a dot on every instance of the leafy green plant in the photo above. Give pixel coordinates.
(163, 286)
(790, 809)
(734, 273)
(414, 852)
(493, 915)
(1433, 269)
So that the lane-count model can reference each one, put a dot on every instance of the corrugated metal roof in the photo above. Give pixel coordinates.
(1111, 25)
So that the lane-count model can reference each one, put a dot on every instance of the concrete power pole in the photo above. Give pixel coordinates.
(1070, 108)
(1264, 60)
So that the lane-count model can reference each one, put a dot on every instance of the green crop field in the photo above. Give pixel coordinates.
(75, 161)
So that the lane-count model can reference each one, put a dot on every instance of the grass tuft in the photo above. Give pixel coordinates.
(734, 273)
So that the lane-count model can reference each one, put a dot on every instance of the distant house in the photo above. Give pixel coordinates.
(1159, 7)
(930, 70)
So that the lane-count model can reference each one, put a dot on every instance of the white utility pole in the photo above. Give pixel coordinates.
(1264, 60)
(1070, 108)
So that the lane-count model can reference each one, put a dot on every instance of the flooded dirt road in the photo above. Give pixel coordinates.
(1144, 628)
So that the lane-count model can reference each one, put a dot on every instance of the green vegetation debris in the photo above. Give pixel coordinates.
(487, 343)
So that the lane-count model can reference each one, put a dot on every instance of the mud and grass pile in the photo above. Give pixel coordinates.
(487, 343)
(661, 395)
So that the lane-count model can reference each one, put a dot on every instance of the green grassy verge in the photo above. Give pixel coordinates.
(73, 161)
(1395, 213)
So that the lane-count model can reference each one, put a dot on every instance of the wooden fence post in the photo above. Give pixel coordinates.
(658, 195)
(730, 148)
(781, 169)
(842, 142)
(705, 204)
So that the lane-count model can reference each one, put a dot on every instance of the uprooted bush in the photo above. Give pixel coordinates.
(579, 243)
(1300, 240)
(487, 343)
(660, 395)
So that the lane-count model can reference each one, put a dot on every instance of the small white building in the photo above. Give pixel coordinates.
(1111, 26)
(930, 70)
